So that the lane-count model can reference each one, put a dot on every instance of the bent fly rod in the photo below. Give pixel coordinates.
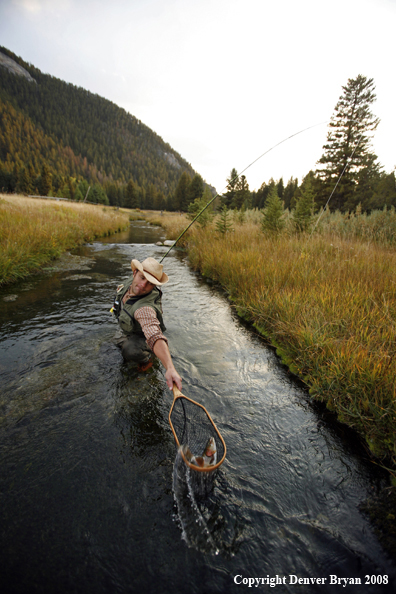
(236, 177)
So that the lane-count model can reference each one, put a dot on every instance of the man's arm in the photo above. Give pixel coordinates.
(161, 351)
(157, 342)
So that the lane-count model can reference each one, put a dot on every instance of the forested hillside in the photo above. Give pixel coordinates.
(58, 139)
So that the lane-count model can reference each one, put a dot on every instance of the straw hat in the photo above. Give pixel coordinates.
(152, 271)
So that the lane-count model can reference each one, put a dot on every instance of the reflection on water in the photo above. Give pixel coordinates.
(88, 459)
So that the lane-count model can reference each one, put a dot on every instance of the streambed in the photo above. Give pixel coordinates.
(87, 455)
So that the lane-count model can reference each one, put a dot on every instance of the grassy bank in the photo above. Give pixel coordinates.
(173, 222)
(328, 303)
(33, 232)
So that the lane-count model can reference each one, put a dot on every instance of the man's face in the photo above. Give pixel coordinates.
(140, 285)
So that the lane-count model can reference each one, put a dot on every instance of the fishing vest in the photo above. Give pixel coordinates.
(125, 313)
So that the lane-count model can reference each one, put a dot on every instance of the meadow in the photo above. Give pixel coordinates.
(33, 232)
(326, 301)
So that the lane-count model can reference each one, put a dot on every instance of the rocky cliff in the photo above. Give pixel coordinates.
(10, 65)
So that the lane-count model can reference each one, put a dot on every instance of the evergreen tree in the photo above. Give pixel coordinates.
(303, 215)
(196, 188)
(25, 182)
(259, 197)
(289, 191)
(384, 192)
(131, 196)
(77, 195)
(45, 181)
(272, 220)
(181, 199)
(13, 183)
(142, 198)
(82, 187)
(223, 224)
(348, 148)
(199, 203)
(151, 196)
(280, 188)
(98, 195)
(232, 182)
(242, 194)
(367, 180)
(160, 202)
(265, 191)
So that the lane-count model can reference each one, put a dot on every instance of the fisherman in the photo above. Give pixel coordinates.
(138, 309)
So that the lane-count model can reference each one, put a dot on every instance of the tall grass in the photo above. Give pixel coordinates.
(327, 301)
(33, 232)
(379, 226)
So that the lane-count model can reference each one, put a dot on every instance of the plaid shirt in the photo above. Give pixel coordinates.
(150, 325)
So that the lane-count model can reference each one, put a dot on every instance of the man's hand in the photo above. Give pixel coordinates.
(172, 377)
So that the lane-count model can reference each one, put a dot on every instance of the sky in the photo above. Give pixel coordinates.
(222, 81)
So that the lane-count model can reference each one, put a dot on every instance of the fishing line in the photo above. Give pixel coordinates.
(338, 181)
(347, 164)
(236, 177)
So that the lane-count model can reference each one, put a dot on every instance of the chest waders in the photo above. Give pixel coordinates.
(134, 347)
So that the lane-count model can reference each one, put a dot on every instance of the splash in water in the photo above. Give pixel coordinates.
(190, 487)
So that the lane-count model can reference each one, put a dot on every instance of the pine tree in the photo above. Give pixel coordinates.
(348, 148)
(289, 191)
(25, 182)
(196, 188)
(131, 196)
(199, 204)
(385, 192)
(232, 181)
(272, 216)
(280, 187)
(181, 199)
(45, 180)
(303, 214)
(223, 224)
(242, 195)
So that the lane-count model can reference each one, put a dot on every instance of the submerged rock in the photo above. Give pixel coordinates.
(10, 297)
(78, 277)
(67, 262)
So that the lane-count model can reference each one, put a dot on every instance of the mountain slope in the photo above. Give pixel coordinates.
(77, 133)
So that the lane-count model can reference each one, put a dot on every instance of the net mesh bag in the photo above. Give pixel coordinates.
(195, 434)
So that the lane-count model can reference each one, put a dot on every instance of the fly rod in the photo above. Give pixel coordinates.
(235, 178)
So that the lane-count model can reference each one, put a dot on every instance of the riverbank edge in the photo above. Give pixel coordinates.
(45, 259)
(49, 259)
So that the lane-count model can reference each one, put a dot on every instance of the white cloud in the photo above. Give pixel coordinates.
(37, 6)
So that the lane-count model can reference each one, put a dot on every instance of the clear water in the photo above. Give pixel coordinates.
(87, 472)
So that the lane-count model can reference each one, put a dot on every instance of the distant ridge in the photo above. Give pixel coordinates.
(78, 136)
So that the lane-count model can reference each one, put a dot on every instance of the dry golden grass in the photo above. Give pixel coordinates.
(34, 231)
(329, 306)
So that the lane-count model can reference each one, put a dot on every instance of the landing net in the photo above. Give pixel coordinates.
(192, 427)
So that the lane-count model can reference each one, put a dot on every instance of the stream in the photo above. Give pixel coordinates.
(88, 497)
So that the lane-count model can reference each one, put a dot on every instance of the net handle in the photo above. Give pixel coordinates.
(176, 395)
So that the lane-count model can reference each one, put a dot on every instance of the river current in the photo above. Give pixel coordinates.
(88, 498)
